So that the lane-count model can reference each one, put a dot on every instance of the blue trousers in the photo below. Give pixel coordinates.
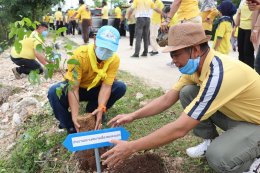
(60, 106)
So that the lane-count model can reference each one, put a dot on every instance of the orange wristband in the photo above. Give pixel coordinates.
(103, 108)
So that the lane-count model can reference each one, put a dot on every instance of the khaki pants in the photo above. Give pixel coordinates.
(153, 35)
(234, 150)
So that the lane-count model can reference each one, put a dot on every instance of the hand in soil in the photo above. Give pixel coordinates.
(76, 124)
(98, 113)
(116, 155)
(120, 120)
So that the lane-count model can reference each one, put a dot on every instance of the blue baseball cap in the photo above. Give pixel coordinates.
(108, 37)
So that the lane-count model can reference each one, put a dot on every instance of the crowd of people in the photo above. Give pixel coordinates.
(214, 90)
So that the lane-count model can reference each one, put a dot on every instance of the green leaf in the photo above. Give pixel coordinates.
(21, 23)
(34, 26)
(39, 48)
(59, 92)
(60, 30)
(34, 77)
(21, 33)
(48, 50)
(18, 46)
(27, 21)
(70, 53)
(68, 47)
(73, 61)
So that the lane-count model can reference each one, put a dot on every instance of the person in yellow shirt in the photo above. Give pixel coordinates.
(156, 21)
(143, 19)
(85, 15)
(51, 22)
(26, 58)
(188, 11)
(118, 16)
(208, 14)
(104, 12)
(244, 44)
(223, 33)
(95, 82)
(72, 22)
(215, 91)
(131, 24)
(59, 20)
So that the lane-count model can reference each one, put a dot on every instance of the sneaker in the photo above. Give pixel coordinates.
(199, 150)
(135, 56)
(16, 74)
(144, 54)
(154, 53)
(255, 167)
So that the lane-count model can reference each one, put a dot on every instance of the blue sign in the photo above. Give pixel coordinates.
(95, 139)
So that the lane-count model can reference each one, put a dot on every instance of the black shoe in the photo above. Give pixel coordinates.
(154, 53)
(150, 52)
(135, 56)
(71, 130)
(60, 126)
(144, 54)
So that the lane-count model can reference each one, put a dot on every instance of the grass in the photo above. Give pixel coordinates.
(39, 148)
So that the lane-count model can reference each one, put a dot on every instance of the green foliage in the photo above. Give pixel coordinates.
(34, 77)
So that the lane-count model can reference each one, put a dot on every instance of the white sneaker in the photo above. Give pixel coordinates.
(199, 150)
(255, 167)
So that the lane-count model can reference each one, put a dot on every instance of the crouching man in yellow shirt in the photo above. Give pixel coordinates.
(95, 81)
(26, 58)
(214, 91)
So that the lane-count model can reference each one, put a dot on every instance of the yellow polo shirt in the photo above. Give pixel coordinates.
(70, 13)
(131, 20)
(28, 47)
(188, 9)
(118, 13)
(157, 17)
(143, 8)
(51, 19)
(226, 85)
(224, 31)
(211, 14)
(83, 12)
(104, 12)
(245, 17)
(85, 71)
(58, 16)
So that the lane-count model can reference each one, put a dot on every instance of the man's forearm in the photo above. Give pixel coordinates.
(73, 97)
(40, 57)
(104, 94)
(158, 105)
(174, 7)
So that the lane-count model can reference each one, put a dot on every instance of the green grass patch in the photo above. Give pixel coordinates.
(39, 148)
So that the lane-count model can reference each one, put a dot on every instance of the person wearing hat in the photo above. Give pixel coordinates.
(214, 91)
(93, 81)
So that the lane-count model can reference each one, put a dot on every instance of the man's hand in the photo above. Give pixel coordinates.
(116, 155)
(120, 120)
(164, 26)
(76, 124)
(233, 32)
(254, 36)
(98, 113)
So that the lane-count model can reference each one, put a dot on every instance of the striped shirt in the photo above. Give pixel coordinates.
(226, 85)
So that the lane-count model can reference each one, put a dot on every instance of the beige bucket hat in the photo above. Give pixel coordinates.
(185, 35)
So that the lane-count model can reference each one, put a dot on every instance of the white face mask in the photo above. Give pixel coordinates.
(103, 53)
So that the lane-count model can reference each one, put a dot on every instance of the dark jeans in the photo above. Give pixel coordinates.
(51, 25)
(132, 33)
(85, 29)
(104, 22)
(117, 24)
(245, 47)
(59, 24)
(142, 28)
(257, 61)
(26, 65)
(73, 26)
(60, 106)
